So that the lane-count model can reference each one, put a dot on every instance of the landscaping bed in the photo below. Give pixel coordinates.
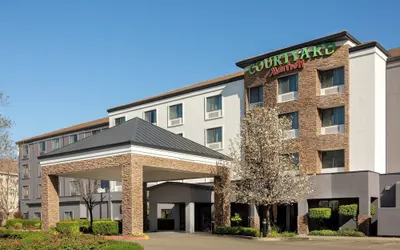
(24, 240)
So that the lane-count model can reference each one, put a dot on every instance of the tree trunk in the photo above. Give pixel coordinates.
(269, 228)
(91, 219)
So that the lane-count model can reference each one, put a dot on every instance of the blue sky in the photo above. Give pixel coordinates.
(67, 62)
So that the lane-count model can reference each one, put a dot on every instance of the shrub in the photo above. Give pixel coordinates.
(288, 234)
(18, 226)
(373, 209)
(320, 213)
(105, 227)
(18, 215)
(247, 231)
(323, 233)
(68, 227)
(352, 233)
(106, 219)
(83, 225)
(348, 210)
(25, 223)
(118, 245)
(38, 225)
(236, 219)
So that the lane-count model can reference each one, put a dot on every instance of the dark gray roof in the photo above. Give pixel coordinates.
(137, 132)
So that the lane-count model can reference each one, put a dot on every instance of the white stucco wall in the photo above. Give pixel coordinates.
(194, 123)
(368, 110)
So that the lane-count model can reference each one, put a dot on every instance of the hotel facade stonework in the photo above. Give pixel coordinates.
(163, 154)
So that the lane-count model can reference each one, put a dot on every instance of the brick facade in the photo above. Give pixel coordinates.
(132, 175)
(308, 104)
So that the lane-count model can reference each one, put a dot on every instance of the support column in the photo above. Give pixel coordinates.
(145, 200)
(132, 199)
(50, 201)
(254, 218)
(302, 218)
(153, 216)
(176, 217)
(189, 217)
(288, 208)
(222, 203)
(364, 217)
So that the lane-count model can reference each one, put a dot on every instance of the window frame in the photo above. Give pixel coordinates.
(40, 215)
(70, 136)
(213, 96)
(288, 76)
(164, 210)
(70, 189)
(156, 116)
(259, 94)
(39, 191)
(28, 170)
(118, 118)
(334, 111)
(332, 159)
(23, 195)
(40, 147)
(72, 214)
(25, 155)
(297, 116)
(222, 136)
(53, 143)
(324, 71)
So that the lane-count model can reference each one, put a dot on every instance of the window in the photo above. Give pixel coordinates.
(56, 143)
(166, 214)
(151, 116)
(119, 120)
(73, 190)
(293, 117)
(39, 191)
(296, 160)
(256, 95)
(25, 151)
(333, 77)
(175, 111)
(26, 216)
(181, 134)
(287, 84)
(214, 135)
(42, 147)
(332, 159)
(332, 116)
(25, 192)
(96, 131)
(37, 215)
(68, 215)
(25, 171)
(332, 204)
(73, 138)
(214, 103)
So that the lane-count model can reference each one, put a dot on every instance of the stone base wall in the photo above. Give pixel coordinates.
(254, 222)
(302, 224)
(364, 224)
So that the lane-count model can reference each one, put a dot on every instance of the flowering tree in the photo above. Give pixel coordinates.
(8, 166)
(262, 163)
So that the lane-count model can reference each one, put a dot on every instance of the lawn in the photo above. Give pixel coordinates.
(24, 240)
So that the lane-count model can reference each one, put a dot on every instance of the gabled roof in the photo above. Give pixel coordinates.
(394, 52)
(330, 38)
(86, 125)
(140, 133)
(198, 86)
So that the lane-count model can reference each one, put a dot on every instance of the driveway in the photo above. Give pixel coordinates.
(182, 241)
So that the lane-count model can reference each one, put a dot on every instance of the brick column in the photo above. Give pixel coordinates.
(364, 224)
(132, 199)
(222, 203)
(302, 218)
(254, 218)
(145, 219)
(50, 201)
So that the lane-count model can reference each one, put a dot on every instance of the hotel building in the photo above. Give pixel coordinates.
(341, 95)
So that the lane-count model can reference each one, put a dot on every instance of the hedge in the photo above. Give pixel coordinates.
(68, 227)
(25, 223)
(105, 227)
(373, 210)
(352, 233)
(18, 225)
(320, 213)
(247, 231)
(348, 210)
(83, 225)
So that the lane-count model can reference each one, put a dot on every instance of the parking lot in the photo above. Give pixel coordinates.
(182, 241)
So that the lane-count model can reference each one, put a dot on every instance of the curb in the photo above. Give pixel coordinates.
(262, 238)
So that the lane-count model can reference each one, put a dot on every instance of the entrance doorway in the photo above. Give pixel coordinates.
(202, 217)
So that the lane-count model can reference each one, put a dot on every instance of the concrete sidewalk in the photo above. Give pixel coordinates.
(358, 239)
